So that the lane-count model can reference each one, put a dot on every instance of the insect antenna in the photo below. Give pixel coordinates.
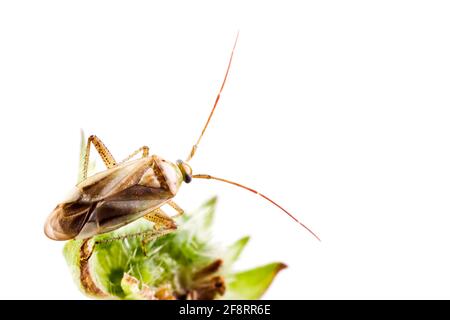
(195, 146)
(207, 176)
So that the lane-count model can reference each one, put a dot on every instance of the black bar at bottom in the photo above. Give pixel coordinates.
(263, 309)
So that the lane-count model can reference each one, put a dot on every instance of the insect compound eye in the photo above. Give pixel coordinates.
(187, 178)
(186, 170)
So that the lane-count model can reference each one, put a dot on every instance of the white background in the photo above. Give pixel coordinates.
(339, 110)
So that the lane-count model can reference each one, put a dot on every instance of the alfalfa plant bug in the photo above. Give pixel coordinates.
(129, 190)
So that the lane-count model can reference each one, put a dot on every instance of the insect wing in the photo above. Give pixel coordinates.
(110, 215)
(109, 200)
(114, 180)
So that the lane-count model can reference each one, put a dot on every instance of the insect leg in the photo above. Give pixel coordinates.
(163, 223)
(156, 233)
(147, 234)
(160, 219)
(104, 153)
(176, 207)
(144, 151)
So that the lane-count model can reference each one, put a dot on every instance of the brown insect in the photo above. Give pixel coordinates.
(129, 190)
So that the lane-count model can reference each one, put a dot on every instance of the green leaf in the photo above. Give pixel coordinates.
(157, 263)
(122, 265)
(234, 251)
(135, 290)
(111, 260)
(202, 219)
(252, 284)
(71, 253)
(210, 208)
